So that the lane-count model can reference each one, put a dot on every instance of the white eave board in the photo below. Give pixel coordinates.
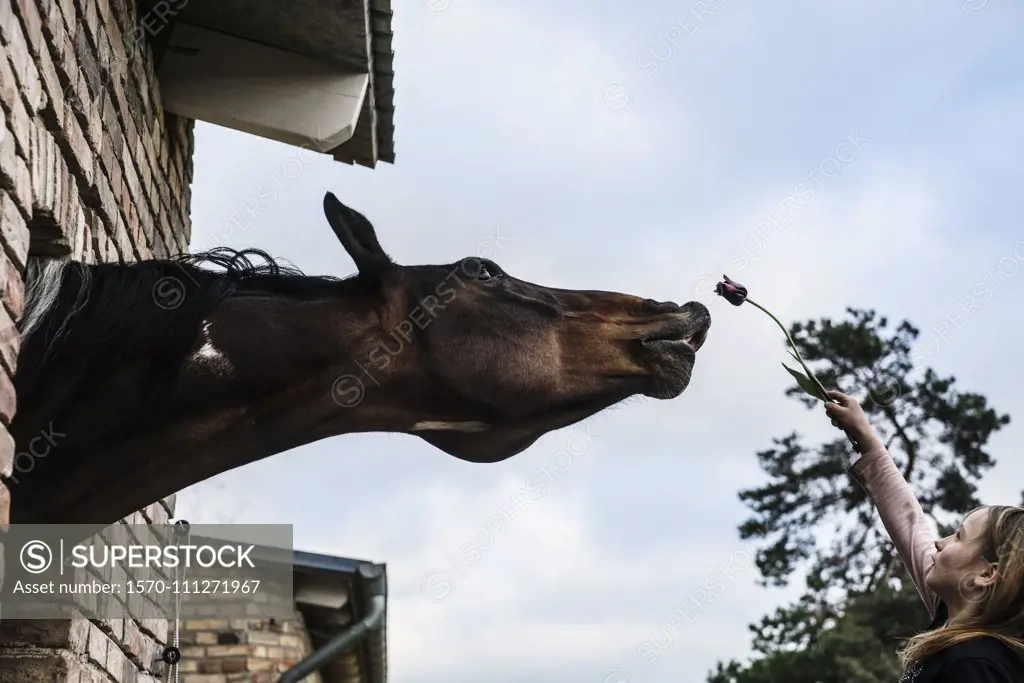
(261, 90)
(332, 597)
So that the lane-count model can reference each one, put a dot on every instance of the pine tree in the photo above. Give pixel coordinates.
(813, 516)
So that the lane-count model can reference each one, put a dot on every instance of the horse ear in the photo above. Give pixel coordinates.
(357, 235)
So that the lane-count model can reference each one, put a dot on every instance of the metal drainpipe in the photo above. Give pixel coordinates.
(377, 589)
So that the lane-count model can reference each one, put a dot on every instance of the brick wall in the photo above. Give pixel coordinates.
(87, 650)
(92, 168)
(253, 650)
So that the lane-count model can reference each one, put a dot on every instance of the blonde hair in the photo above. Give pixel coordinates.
(1001, 613)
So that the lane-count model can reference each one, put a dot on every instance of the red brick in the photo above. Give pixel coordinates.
(8, 402)
(25, 71)
(125, 205)
(7, 21)
(83, 246)
(233, 666)
(21, 124)
(92, 20)
(158, 112)
(62, 49)
(14, 232)
(159, 246)
(91, 109)
(8, 86)
(156, 199)
(146, 222)
(12, 296)
(53, 21)
(38, 666)
(106, 160)
(169, 502)
(83, 235)
(49, 633)
(67, 8)
(99, 239)
(161, 154)
(116, 662)
(167, 231)
(14, 175)
(131, 218)
(7, 139)
(7, 449)
(98, 644)
(108, 203)
(103, 53)
(8, 154)
(131, 135)
(106, 250)
(145, 176)
(9, 340)
(155, 514)
(115, 627)
(70, 72)
(31, 23)
(69, 200)
(142, 648)
(132, 157)
(261, 665)
(54, 108)
(122, 242)
(43, 155)
(106, 18)
(204, 666)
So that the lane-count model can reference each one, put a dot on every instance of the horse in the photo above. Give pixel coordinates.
(136, 380)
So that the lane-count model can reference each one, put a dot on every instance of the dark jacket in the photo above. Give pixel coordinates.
(983, 660)
(980, 660)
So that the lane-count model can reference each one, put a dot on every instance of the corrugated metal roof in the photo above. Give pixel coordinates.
(375, 133)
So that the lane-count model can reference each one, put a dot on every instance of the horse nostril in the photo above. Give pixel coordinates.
(662, 306)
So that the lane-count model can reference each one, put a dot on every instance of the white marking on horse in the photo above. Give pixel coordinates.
(440, 425)
(210, 356)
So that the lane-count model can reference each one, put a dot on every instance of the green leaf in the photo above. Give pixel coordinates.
(806, 383)
(810, 377)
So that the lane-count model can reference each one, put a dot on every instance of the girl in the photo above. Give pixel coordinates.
(971, 582)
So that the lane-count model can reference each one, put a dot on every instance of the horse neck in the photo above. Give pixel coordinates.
(261, 376)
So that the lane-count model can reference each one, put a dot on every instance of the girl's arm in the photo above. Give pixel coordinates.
(901, 515)
(896, 503)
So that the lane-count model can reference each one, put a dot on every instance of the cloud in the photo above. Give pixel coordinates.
(637, 523)
(536, 91)
(501, 128)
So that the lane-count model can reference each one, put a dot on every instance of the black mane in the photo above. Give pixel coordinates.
(89, 318)
(240, 271)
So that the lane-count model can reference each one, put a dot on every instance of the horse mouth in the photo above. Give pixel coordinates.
(685, 336)
(670, 352)
(689, 330)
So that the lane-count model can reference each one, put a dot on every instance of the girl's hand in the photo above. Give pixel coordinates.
(848, 416)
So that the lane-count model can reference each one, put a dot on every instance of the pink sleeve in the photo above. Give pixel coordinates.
(902, 516)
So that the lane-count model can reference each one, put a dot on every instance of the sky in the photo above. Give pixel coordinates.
(826, 155)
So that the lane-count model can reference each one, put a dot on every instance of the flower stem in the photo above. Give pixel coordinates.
(853, 442)
(792, 344)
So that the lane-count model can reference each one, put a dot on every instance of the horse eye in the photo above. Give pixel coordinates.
(480, 270)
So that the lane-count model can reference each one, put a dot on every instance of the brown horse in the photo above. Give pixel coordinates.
(138, 380)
